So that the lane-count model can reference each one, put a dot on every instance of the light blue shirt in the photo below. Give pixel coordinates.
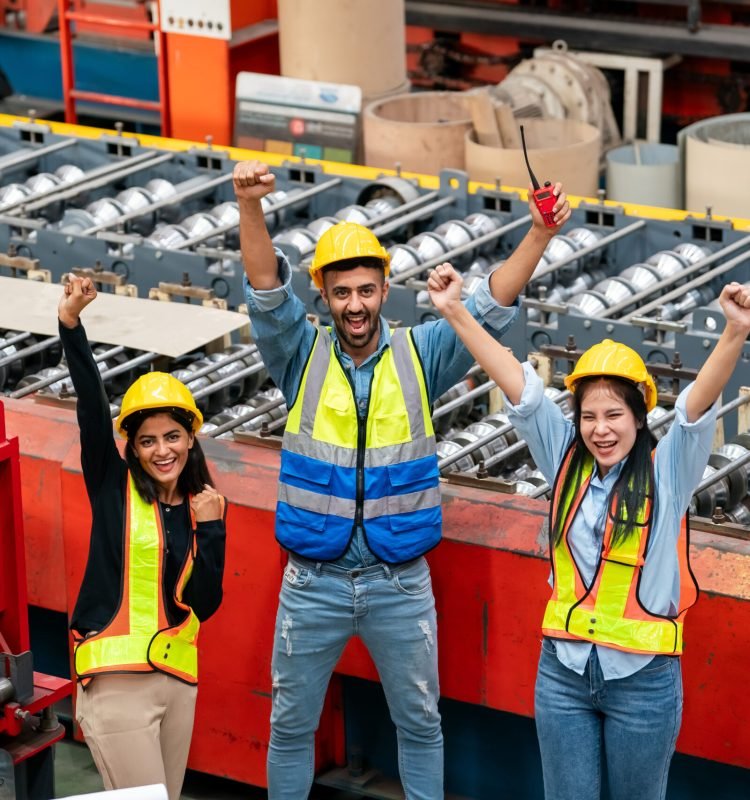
(285, 339)
(681, 457)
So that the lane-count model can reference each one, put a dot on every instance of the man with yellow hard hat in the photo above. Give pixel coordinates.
(359, 500)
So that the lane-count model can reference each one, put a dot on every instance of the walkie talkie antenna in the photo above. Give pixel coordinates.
(534, 181)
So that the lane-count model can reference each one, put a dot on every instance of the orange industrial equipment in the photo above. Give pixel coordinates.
(25, 738)
(207, 43)
(490, 585)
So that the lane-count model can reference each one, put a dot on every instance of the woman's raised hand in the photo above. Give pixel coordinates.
(444, 285)
(735, 303)
(207, 505)
(77, 294)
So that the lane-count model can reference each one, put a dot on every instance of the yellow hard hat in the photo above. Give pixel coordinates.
(346, 240)
(617, 360)
(157, 390)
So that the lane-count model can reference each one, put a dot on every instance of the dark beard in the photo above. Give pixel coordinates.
(360, 341)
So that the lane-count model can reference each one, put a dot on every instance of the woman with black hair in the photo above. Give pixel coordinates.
(609, 686)
(154, 571)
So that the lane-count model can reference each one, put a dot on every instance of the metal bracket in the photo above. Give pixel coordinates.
(20, 670)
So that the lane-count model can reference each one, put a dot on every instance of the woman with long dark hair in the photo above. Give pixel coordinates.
(154, 571)
(609, 686)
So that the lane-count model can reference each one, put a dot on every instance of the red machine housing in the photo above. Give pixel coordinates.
(22, 733)
(490, 579)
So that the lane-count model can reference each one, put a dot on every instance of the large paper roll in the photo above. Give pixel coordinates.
(559, 150)
(423, 132)
(716, 155)
(645, 173)
(361, 42)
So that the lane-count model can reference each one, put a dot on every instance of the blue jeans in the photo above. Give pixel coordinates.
(392, 609)
(629, 724)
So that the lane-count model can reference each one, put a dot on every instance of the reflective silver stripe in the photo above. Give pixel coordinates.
(316, 375)
(341, 507)
(409, 380)
(402, 503)
(313, 501)
(399, 453)
(305, 445)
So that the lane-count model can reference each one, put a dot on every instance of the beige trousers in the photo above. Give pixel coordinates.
(138, 728)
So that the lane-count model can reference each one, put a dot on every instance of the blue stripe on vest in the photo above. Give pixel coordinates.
(322, 536)
(316, 536)
(402, 537)
(324, 478)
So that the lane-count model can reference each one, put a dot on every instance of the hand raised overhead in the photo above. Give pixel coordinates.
(252, 180)
(77, 294)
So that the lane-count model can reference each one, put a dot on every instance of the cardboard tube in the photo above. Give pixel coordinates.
(559, 150)
(423, 132)
(360, 42)
(716, 157)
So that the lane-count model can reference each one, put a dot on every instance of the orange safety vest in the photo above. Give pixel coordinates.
(139, 637)
(609, 611)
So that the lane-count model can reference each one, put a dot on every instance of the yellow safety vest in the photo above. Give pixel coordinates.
(341, 469)
(609, 611)
(139, 638)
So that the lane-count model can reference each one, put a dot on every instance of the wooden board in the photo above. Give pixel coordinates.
(170, 329)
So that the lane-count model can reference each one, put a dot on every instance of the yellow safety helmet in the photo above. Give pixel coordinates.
(617, 360)
(346, 240)
(157, 390)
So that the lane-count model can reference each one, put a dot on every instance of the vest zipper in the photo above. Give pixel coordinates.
(361, 444)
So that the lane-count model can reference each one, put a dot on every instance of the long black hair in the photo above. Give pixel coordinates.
(635, 482)
(195, 474)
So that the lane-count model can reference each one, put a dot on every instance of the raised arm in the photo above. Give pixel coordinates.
(507, 282)
(714, 374)
(252, 181)
(501, 365)
(98, 451)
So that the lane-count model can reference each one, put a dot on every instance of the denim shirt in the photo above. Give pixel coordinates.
(681, 456)
(285, 339)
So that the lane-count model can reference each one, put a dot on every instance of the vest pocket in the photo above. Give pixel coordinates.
(389, 429)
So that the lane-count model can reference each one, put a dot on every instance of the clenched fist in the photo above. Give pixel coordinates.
(207, 505)
(77, 294)
(252, 180)
(444, 285)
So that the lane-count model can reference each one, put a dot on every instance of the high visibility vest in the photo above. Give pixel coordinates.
(340, 469)
(609, 610)
(139, 637)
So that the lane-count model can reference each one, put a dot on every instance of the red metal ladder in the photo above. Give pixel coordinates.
(67, 16)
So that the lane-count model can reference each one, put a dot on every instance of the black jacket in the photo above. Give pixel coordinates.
(105, 473)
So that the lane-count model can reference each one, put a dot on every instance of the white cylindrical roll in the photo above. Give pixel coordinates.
(360, 42)
(156, 791)
(716, 157)
(645, 173)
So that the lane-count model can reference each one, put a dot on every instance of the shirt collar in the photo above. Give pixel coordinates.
(384, 340)
(608, 481)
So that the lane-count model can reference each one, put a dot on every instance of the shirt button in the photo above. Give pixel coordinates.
(591, 630)
(362, 403)
(593, 620)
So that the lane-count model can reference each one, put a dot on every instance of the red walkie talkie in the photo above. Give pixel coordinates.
(543, 196)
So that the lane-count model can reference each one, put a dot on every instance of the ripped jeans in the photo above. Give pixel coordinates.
(392, 609)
